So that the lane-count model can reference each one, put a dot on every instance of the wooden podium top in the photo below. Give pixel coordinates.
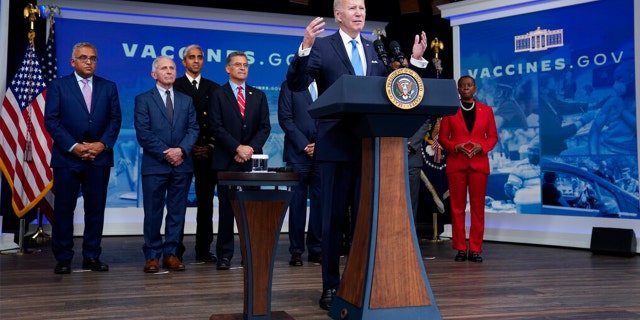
(232, 178)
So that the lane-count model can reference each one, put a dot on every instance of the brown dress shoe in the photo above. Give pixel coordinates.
(172, 263)
(151, 266)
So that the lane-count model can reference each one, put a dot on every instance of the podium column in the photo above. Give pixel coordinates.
(385, 276)
(259, 216)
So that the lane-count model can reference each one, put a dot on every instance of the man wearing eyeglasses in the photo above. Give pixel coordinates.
(82, 115)
(239, 123)
(166, 129)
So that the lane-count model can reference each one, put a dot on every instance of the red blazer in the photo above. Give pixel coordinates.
(453, 131)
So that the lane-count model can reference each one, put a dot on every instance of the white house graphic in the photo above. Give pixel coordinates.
(539, 40)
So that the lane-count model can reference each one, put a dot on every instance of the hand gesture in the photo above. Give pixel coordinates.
(174, 156)
(469, 148)
(201, 152)
(419, 46)
(315, 28)
(243, 153)
(309, 149)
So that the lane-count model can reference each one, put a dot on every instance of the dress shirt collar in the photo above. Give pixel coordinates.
(163, 93)
(197, 79)
(79, 79)
(346, 38)
(234, 88)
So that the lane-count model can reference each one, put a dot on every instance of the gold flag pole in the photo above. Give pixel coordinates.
(379, 33)
(32, 13)
(40, 237)
(436, 45)
(51, 11)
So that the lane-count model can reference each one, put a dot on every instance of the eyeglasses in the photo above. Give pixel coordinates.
(84, 58)
(240, 64)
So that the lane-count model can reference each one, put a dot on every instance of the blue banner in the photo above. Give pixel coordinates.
(125, 54)
(561, 83)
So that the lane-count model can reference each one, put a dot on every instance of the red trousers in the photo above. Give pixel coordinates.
(475, 183)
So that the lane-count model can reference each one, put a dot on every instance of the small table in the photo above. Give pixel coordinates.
(259, 216)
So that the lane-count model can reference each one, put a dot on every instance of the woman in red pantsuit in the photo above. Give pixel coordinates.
(468, 136)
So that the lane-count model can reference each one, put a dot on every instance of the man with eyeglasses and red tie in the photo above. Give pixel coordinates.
(83, 117)
(239, 123)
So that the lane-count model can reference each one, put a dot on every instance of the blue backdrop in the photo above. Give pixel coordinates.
(125, 54)
(562, 86)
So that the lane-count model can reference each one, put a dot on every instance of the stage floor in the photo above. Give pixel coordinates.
(514, 282)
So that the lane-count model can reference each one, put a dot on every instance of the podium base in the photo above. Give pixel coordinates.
(276, 315)
(341, 309)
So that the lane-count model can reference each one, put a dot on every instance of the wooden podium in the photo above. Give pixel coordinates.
(259, 216)
(384, 277)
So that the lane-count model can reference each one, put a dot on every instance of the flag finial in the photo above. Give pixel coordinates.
(32, 13)
(50, 12)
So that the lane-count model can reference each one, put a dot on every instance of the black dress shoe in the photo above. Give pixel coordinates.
(315, 258)
(296, 260)
(94, 264)
(62, 267)
(327, 298)
(223, 264)
(207, 257)
(475, 257)
(461, 256)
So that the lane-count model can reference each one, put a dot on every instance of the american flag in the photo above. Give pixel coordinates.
(49, 60)
(25, 145)
(50, 72)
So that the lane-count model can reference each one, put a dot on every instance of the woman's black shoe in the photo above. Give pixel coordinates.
(475, 257)
(461, 256)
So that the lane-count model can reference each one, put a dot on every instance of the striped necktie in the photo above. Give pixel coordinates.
(241, 102)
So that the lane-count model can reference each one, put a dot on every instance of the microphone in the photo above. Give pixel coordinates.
(397, 53)
(382, 54)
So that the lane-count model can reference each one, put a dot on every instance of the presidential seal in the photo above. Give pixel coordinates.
(405, 88)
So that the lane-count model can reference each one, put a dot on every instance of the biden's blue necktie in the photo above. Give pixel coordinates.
(355, 58)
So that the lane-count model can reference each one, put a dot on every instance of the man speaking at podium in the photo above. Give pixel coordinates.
(338, 150)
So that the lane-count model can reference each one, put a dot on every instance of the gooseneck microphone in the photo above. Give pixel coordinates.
(382, 54)
(397, 53)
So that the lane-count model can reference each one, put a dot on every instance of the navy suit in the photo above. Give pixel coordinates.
(206, 178)
(338, 149)
(69, 121)
(230, 130)
(299, 131)
(415, 163)
(162, 182)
